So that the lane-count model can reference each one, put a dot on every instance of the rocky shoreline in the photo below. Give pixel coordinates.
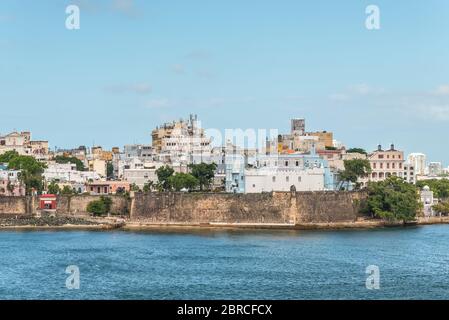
(95, 223)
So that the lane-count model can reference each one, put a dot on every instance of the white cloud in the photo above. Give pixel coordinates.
(436, 112)
(442, 90)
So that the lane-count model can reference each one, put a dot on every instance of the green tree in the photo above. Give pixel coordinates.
(148, 186)
(393, 199)
(109, 169)
(354, 169)
(183, 180)
(356, 150)
(53, 188)
(134, 187)
(97, 208)
(30, 172)
(440, 188)
(7, 156)
(163, 175)
(100, 207)
(74, 160)
(204, 172)
(67, 191)
(441, 208)
(10, 187)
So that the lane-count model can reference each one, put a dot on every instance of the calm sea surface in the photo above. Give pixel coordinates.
(413, 264)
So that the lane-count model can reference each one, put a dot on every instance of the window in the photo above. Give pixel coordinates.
(374, 165)
(388, 166)
(381, 165)
(254, 185)
(299, 179)
(287, 178)
(297, 163)
(274, 179)
(393, 165)
(286, 163)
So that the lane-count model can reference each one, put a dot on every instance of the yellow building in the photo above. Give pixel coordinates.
(324, 137)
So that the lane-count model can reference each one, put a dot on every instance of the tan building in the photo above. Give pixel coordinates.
(21, 142)
(385, 163)
(180, 139)
(324, 137)
(99, 166)
(336, 158)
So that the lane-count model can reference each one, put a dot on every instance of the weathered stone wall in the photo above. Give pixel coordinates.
(327, 206)
(77, 205)
(198, 208)
(277, 207)
(205, 208)
(13, 205)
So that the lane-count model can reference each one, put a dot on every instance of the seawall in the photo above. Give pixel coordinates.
(267, 208)
(286, 208)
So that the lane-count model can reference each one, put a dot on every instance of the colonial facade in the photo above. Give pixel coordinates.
(385, 163)
(21, 143)
(299, 172)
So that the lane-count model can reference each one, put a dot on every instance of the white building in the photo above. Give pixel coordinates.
(428, 201)
(435, 169)
(409, 173)
(67, 173)
(299, 172)
(283, 179)
(418, 161)
(181, 140)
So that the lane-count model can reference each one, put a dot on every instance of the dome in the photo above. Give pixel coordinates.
(426, 188)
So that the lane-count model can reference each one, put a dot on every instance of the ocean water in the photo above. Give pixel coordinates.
(413, 264)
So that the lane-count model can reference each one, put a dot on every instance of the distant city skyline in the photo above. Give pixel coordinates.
(136, 64)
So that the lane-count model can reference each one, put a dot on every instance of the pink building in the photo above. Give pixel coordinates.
(107, 187)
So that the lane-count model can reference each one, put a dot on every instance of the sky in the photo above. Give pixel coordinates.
(134, 64)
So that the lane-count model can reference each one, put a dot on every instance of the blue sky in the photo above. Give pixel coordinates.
(237, 64)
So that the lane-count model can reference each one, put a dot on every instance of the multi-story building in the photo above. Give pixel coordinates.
(180, 140)
(298, 126)
(324, 137)
(21, 143)
(98, 166)
(409, 173)
(299, 172)
(10, 183)
(418, 161)
(336, 158)
(385, 163)
(298, 140)
(67, 173)
(435, 169)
